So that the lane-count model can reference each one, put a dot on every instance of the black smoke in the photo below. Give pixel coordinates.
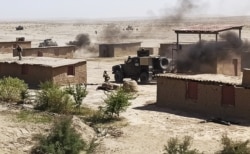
(184, 7)
(81, 41)
(207, 53)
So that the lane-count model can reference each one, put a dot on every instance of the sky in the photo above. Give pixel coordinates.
(105, 9)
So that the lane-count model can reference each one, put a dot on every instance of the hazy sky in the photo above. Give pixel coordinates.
(98, 9)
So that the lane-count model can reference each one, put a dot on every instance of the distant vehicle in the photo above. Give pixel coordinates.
(129, 27)
(47, 43)
(19, 27)
(143, 67)
(20, 39)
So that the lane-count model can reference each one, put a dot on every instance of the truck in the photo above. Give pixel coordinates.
(143, 67)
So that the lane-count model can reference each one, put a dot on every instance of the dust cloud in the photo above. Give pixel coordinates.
(114, 33)
(84, 48)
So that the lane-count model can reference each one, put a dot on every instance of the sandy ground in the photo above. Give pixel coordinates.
(149, 127)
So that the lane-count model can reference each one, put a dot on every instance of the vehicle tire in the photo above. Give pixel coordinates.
(144, 77)
(118, 76)
(163, 62)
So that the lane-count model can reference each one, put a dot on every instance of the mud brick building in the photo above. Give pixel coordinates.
(7, 47)
(213, 57)
(118, 49)
(213, 95)
(55, 51)
(34, 70)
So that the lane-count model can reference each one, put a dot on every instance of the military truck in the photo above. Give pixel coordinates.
(47, 43)
(143, 67)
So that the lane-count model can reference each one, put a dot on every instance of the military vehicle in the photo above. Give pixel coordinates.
(47, 43)
(19, 27)
(129, 27)
(143, 67)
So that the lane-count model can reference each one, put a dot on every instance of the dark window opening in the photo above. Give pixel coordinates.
(192, 90)
(56, 52)
(40, 54)
(71, 70)
(228, 95)
(24, 69)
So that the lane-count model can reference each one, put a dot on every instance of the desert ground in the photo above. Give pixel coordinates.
(147, 127)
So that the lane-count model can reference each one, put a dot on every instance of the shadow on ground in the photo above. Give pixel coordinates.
(151, 106)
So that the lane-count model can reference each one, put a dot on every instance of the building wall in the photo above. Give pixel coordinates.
(242, 100)
(126, 49)
(245, 62)
(106, 50)
(60, 74)
(171, 93)
(118, 50)
(152, 50)
(166, 49)
(57, 52)
(35, 73)
(7, 47)
(231, 65)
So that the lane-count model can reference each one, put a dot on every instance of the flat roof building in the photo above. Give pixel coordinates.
(118, 49)
(213, 95)
(55, 51)
(34, 70)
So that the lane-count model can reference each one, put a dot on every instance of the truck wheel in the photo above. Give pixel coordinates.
(118, 76)
(163, 63)
(144, 77)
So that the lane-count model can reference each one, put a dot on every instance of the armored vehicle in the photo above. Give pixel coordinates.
(19, 27)
(47, 42)
(143, 67)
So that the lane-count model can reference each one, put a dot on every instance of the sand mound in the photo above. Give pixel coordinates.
(130, 86)
(87, 132)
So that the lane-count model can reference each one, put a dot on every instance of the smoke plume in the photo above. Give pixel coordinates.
(207, 53)
(184, 7)
(81, 41)
(84, 47)
(113, 33)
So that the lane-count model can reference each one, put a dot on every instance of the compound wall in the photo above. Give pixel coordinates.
(7, 47)
(172, 93)
(56, 52)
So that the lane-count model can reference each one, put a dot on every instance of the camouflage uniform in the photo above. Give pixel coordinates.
(106, 76)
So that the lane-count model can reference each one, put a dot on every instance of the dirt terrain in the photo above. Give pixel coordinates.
(148, 127)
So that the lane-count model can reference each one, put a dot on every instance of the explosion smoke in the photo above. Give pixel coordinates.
(84, 47)
(184, 7)
(209, 52)
(113, 33)
(81, 41)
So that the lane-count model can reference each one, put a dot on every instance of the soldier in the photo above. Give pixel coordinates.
(19, 51)
(106, 76)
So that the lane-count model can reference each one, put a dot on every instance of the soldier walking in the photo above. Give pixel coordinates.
(19, 51)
